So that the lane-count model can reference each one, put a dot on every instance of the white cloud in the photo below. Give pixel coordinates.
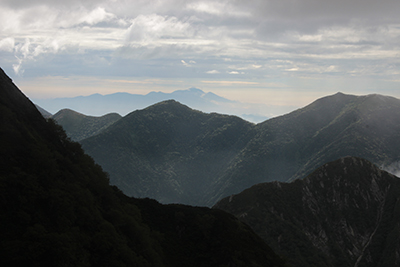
(212, 72)
(7, 44)
(98, 15)
(17, 67)
(281, 41)
(147, 29)
(217, 8)
(214, 8)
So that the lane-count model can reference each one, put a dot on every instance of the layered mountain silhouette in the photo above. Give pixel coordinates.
(58, 209)
(346, 213)
(124, 103)
(173, 153)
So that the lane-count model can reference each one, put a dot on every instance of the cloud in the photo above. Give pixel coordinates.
(7, 44)
(96, 16)
(217, 8)
(147, 29)
(212, 72)
(186, 64)
(279, 41)
(231, 82)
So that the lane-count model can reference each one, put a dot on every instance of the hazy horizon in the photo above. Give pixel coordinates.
(124, 103)
(277, 53)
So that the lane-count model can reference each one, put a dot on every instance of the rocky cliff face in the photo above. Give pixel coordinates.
(346, 211)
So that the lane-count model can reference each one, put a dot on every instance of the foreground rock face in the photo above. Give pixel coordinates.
(346, 213)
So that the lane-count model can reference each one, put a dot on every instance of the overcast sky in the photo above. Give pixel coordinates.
(278, 52)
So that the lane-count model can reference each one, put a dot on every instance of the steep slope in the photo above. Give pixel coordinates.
(291, 146)
(346, 213)
(168, 151)
(44, 112)
(58, 209)
(79, 126)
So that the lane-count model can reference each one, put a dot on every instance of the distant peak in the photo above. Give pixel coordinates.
(196, 90)
(190, 91)
(167, 105)
(338, 97)
(339, 94)
(68, 110)
(168, 102)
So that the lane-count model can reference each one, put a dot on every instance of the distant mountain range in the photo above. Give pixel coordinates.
(124, 103)
(173, 153)
(346, 213)
(58, 209)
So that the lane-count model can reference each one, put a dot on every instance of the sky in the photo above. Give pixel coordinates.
(281, 53)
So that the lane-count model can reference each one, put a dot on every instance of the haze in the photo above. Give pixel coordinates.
(280, 53)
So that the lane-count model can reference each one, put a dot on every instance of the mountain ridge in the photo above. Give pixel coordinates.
(167, 146)
(228, 155)
(329, 128)
(342, 214)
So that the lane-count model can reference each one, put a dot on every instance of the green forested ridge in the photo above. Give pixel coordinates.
(58, 209)
(169, 151)
(346, 213)
(79, 126)
(175, 154)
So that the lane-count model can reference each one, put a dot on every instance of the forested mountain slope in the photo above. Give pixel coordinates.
(292, 146)
(346, 213)
(169, 151)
